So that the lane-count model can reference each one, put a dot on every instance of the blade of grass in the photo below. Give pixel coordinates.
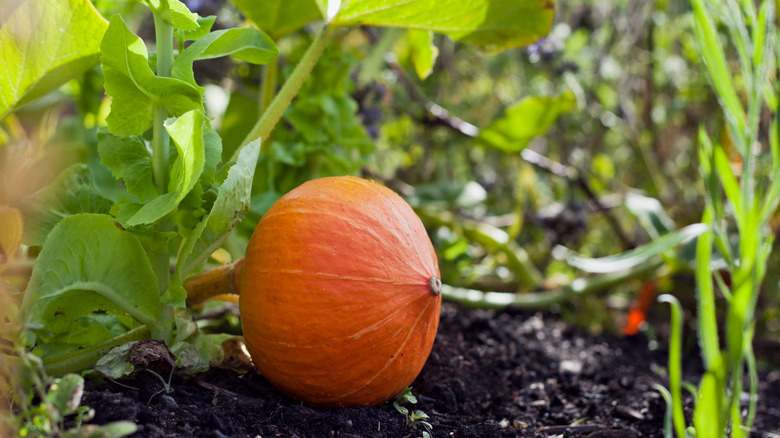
(714, 58)
(753, 376)
(668, 431)
(707, 318)
(708, 415)
(634, 257)
(729, 183)
(675, 362)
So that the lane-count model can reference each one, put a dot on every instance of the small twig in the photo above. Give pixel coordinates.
(553, 167)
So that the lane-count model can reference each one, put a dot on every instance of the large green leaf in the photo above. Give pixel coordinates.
(45, 44)
(187, 134)
(493, 24)
(230, 207)
(89, 264)
(135, 90)
(280, 17)
(529, 118)
(71, 193)
(248, 44)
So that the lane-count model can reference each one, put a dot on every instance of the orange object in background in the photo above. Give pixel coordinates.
(638, 312)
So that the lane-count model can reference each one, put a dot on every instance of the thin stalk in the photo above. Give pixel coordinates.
(753, 376)
(545, 298)
(270, 75)
(82, 359)
(160, 140)
(161, 150)
(675, 363)
(706, 311)
(282, 100)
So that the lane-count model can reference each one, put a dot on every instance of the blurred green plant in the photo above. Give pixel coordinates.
(742, 196)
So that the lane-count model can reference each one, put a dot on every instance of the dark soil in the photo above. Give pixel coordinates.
(490, 374)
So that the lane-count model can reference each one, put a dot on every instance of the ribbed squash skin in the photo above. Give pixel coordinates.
(336, 305)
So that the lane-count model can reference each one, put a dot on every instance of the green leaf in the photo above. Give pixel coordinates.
(72, 192)
(322, 5)
(114, 364)
(135, 90)
(212, 143)
(204, 27)
(706, 309)
(529, 118)
(230, 207)
(89, 264)
(424, 52)
(636, 256)
(129, 160)
(209, 346)
(65, 393)
(187, 134)
(174, 13)
(280, 17)
(45, 44)
(715, 60)
(401, 410)
(494, 24)
(709, 414)
(188, 360)
(177, 15)
(248, 44)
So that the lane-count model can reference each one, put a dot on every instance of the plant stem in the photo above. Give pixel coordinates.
(160, 139)
(161, 150)
(282, 100)
(85, 358)
(543, 299)
(212, 283)
(268, 84)
(675, 363)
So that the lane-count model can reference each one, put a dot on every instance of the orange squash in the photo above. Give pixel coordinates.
(340, 293)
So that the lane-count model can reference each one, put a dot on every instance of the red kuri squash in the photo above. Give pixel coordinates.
(340, 293)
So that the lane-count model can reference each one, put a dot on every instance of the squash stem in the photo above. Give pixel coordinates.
(213, 283)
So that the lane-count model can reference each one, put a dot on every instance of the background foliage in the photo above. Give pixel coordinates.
(524, 163)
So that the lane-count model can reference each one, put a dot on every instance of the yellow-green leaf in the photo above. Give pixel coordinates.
(529, 118)
(424, 52)
(45, 44)
(493, 24)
